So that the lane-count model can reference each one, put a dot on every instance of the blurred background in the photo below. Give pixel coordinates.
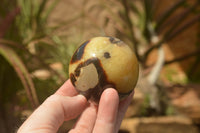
(38, 38)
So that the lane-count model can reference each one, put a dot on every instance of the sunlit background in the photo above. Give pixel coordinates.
(38, 38)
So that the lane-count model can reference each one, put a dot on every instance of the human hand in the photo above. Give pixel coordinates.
(66, 104)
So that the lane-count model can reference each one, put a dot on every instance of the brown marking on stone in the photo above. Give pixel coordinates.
(95, 93)
(79, 52)
(72, 78)
(77, 72)
(116, 41)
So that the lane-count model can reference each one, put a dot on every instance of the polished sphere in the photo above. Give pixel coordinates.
(103, 62)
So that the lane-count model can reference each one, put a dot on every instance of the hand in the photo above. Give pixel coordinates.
(66, 104)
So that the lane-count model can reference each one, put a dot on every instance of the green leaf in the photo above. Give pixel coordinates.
(14, 60)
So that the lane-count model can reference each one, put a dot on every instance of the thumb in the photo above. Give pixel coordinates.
(52, 113)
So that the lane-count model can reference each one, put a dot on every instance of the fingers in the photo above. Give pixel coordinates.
(51, 114)
(67, 89)
(85, 123)
(123, 105)
(69, 107)
(107, 112)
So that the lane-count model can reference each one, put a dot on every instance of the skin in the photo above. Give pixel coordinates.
(66, 104)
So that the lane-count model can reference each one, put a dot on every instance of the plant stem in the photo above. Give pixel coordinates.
(148, 19)
(178, 31)
(130, 27)
(170, 35)
(168, 13)
(183, 57)
(160, 43)
(181, 17)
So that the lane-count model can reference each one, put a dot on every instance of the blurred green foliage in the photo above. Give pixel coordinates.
(28, 44)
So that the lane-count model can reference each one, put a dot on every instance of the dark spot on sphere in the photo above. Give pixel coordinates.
(114, 40)
(107, 55)
(111, 39)
(79, 52)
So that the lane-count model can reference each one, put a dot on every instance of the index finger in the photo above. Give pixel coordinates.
(123, 105)
(67, 89)
(107, 112)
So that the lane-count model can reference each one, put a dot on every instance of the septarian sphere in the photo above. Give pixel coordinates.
(103, 62)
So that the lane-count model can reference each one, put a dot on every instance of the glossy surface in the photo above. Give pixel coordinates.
(103, 62)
